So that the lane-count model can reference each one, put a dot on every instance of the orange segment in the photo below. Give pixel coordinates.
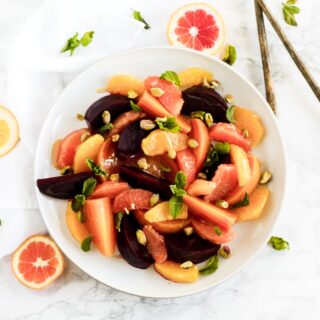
(159, 142)
(248, 120)
(161, 212)
(193, 77)
(88, 148)
(77, 229)
(174, 272)
(122, 84)
(9, 131)
(258, 200)
(37, 262)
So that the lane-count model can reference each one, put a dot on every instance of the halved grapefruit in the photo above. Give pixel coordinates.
(197, 26)
(9, 131)
(37, 262)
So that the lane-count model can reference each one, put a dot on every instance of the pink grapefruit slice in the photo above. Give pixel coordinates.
(197, 26)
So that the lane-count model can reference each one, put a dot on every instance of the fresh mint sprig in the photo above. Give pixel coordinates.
(137, 16)
(74, 42)
(168, 124)
(212, 266)
(171, 76)
(177, 189)
(289, 11)
(96, 169)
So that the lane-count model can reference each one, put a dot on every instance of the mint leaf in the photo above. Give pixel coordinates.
(212, 157)
(78, 202)
(168, 124)
(222, 147)
(180, 180)
(230, 55)
(86, 244)
(177, 191)
(175, 206)
(172, 77)
(243, 203)
(117, 220)
(87, 38)
(230, 114)
(134, 106)
(95, 168)
(137, 15)
(278, 243)
(88, 187)
(212, 266)
(73, 43)
(106, 127)
(289, 11)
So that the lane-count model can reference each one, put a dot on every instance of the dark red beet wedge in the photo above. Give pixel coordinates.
(116, 104)
(63, 187)
(200, 98)
(129, 143)
(183, 248)
(142, 180)
(130, 249)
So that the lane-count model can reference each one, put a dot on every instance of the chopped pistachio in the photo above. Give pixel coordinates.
(154, 199)
(142, 163)
(229, 98)
(157, 92)
(245, 133)
(222, 204)
(208, 119)
(114, 177)
(66, 170)
(85, 136)
(132, 94)
(126, 210)
(265, 177)
(206, 82)
(147, 124)
(141, 237)
(106, 116)
(80, 116)
(115, 137)
(224, 252)
(217, 230)
(202, 175)
(192, 143)
(172, 154)
(186, 265)
(198, 114)
(188, 231)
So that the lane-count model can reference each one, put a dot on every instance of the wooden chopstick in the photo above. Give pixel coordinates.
(292, 52)
(265, 57)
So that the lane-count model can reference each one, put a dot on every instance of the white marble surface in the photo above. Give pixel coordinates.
(276, 285)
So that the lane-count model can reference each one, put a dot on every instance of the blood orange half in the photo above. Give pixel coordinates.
(197, 26)
(37, 262)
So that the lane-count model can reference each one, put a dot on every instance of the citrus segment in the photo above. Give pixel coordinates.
(123, 83)
(37, 262)
(197, 26)
(9, 131)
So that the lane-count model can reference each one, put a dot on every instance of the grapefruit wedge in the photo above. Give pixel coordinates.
(37, 262)
(197, 26)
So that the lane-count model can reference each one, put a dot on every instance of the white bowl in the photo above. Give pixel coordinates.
(79, 95)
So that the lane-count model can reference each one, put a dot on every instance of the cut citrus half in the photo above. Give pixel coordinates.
(37, 262)
(197, 26)
(9, 131)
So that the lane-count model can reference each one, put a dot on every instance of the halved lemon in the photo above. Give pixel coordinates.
(9, 131)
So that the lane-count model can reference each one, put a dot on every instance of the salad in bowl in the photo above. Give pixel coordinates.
(161, 172)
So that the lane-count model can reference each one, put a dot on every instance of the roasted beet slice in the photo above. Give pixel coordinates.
(139, 179)
(129, 143)
(116, 104)
(183, 248)
(200, 98)
(130, 249)
(63, 187)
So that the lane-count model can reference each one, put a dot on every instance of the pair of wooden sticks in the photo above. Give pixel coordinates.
(261, 9)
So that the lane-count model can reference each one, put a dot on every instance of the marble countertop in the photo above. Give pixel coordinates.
(276, 285)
